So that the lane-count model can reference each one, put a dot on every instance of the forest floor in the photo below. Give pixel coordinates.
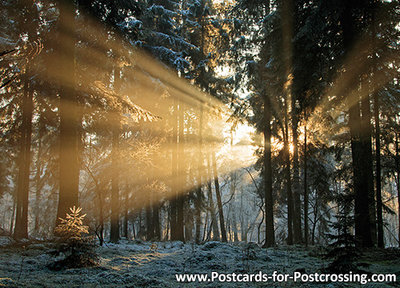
(141, 264)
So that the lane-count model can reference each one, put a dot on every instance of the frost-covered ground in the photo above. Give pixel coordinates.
(133, 264)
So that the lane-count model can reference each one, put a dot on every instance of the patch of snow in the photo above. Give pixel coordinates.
(6, 241)
(154, 264)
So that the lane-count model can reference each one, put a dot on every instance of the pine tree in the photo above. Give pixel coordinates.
(343, 248)
(78, 248)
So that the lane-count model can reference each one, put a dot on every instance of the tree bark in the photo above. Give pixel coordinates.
(361, 182)
(214, 223)
(156, 220)
(297, 235)
(182, 179)
(126, 211)
(367, 163)
(68, 109)
(21, 219)
(378, 173)
(174, 182)
(38, 180)
(305, 188)
(199, 193)
(101, 216)
(149, 217)
(115, 165)
(219, 201)
(269, 202)
(288, 182)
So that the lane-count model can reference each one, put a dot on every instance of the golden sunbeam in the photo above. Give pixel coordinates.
(163, 128)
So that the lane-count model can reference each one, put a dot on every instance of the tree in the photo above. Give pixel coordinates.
(115, 164)
(360, 138)
(248, 14)
(219, 201)
(69, 106)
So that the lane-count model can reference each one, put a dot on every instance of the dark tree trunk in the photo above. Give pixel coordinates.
(287, 34)
(378, 173)
(199, 193)
(361, 210)
(174, 181)
(115, 166)
(361, 173)
(289, 195)
(198, 214)
(38, 180)
(288, 183)
(269, 202)
(214, 223)
(126, 211)
(219, 201)
(305, 188)
(297, 235)
(149, 219)
(367, 164)
(314, 224)
(156, 220)
(21, 219)
(101, 216)
(182, 171)
(380, 233)
(68, 110)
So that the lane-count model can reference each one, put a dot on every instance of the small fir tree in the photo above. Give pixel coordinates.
(79, 249)
(343, 249)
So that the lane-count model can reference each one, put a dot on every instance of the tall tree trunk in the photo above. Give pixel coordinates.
(21, 220)
(199, 193)
(115, 165)
(288, 182)
(156, 217)
(219, 201)
(126, 211)
(204, 238)
(269, 202)
(297, 235)
(149, 217)
(214, 223)
(12, 220)
(361, 182)
(287, 34)
(234, 228)
(378, 173)
(68, 110)
(232, 205)
(101, 215)
(361, 211)
(38, 180)
(367, 163)
(305, 187)
(182, 179)
(174, 169)
(314, 225)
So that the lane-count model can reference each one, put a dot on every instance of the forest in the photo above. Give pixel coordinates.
(141, 139)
